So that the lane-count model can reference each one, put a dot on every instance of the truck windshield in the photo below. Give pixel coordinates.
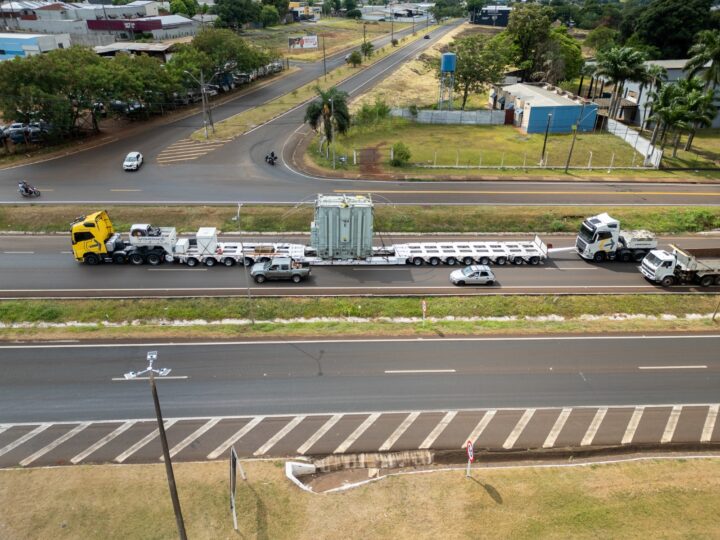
(586, 232)
(653, 260)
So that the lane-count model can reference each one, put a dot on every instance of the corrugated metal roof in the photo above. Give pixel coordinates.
(538, 96)
(133, 47)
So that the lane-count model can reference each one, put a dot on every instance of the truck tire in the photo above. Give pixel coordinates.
(417, 261)
(638, 256)
(667, 281)
(467, 261)
(599, 257)
(434, 261)
(247, 261)
(706, 281)
(118, 258)
(227, 261)
(296, 278)
(625, 256)
(136, 258)
(717, 280)
(153, 258)
(484, 260)
(451, 261)
(210, 262)
(192, 261)
(534, 260)
(260, 279)
(91, 259)
(500, 261)
(516, 261)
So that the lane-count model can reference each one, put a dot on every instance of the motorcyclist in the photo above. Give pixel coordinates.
(271, 158)
(26, 190)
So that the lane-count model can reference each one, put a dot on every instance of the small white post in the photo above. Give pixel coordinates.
(457, 157)
(354, 157)
(480, 161)
(633, 159)
(612, 162)
(590, 160)
(502, 161)
(525, 160)
(547, 159)
(392, 156)
(435, 159)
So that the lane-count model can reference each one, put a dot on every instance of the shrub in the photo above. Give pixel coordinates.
(401, 155)
(354, 14)
(371, 114)
(355, 59)
(394, 42)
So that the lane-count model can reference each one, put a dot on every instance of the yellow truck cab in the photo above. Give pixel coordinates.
(89, 235)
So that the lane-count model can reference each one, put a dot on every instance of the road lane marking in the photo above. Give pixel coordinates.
(142, 442)
(13, 445)
(166, 378)
(435, 433)
(498, 192)
(594, 426)
(709, 423)
(557, 427)
(3, 429)
(480, 427)
(190, 438)
(272, 441)
(124, 190)
(327, 426)
(673, 367)
(422, 371)
(518, 429)
(671, 424)
(102, 442)
(402, 428)
(404, 268)
(633, 425)
(19, 252)
(57, 442)
(369, 421)
(236, 437)
(573, 268)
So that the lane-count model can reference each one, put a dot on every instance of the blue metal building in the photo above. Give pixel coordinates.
(14, 44)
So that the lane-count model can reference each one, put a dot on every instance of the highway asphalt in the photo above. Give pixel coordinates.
(34, 266)
(67, 382)
(236, 172)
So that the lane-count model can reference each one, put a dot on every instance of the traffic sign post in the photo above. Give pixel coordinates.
(424, 309)
(471, 457)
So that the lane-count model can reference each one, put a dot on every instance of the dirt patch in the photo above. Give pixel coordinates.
(369, 159)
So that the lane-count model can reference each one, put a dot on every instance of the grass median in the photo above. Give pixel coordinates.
(230, 318)
(652, 499)
(387, 218)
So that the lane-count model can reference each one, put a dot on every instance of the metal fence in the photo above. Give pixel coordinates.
(485, 117)
(653, 154)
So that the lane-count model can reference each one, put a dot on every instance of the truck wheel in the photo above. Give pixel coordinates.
(137, 259)
(717, 280)
(667, 281)
(247, 261)
(484, 260)
(192, 261)
(227, 261)
(625, 256)
(119, 258)
(534, 260)
(638, 256)
(260, 279)
(210, 262)
(451, 261)
(153, 259)
(296, 278)
(434, 261)
(706, 281)
(517, 261)
(599, 257)
(91, 259)
(417, 261)
(467, 261)
(500, 261)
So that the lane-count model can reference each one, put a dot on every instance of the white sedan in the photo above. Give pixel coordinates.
(133, 161)
(473, 275)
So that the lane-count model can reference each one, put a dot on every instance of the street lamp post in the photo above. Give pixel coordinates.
(207, 115)
(151, 357)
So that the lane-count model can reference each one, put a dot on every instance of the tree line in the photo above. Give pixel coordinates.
(68, 88)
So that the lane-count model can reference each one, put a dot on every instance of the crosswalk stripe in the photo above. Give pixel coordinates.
(369, 421)
(265, 448)
(190, 438)
(480, 427)
(13, 445)
(57, 442)
(4, 428)
(327, 426)
(518, 429)
(633, 425)
(435, 433)
(557, 428)
(594, 426)
(236, 437)
(142, 442)
(402, 428)
(183, 152)
(671, 424)
(102, 442)
(709, 426)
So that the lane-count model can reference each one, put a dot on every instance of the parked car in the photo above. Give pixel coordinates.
(133, 161)
(473, 275)
(426, 36)
(241, 78)
(211, 90)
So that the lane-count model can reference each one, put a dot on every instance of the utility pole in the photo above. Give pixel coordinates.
(392, 29)
(547, 129)
(203, 98)
(572, 144)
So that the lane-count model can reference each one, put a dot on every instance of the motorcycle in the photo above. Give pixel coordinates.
(271, 158)
(28, 191)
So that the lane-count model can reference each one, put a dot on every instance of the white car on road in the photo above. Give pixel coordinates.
(133, 161)
(479, 274)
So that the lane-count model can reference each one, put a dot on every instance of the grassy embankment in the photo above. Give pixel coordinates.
(387, 218)
(242, 122)
(654, 499)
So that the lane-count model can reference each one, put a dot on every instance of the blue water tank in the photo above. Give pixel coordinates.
(448, 62)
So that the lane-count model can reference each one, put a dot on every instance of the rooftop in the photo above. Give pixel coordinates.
(538, 96)
(132, 46)
(19, 35)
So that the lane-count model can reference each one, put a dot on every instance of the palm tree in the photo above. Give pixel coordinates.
(331, 110)
(665, 104)
(655, 76)
(701, 111)
(588, 70)
(705, 52)
(618, 65)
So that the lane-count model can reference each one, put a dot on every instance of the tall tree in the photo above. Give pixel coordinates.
(330, 110)
(269, 16)
(480, 62)
(602, 38)
(529, 28)
(705, 58)
(619, 65)
(655, 75)
(282, 6)
(235, 13)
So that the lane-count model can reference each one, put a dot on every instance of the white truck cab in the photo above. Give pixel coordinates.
(600, 238)
(659, 267)
(682, 266)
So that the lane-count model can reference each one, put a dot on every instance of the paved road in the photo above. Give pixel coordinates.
(44, 267)
(284, 398)
(236, 171)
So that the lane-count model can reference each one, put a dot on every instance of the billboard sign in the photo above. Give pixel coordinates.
(303, 42)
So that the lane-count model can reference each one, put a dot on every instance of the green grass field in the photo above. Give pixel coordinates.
(705, 151)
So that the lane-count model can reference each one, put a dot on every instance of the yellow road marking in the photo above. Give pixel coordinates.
(492, 192)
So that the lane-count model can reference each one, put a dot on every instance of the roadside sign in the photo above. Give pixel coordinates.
(233, 483)
(470, 451)
(424, 309)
